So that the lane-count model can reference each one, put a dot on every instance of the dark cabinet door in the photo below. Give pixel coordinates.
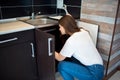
(17, 62)
(45, 55)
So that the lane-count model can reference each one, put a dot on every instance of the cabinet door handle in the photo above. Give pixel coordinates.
(50, 46)
(32, 48)
(8, 40)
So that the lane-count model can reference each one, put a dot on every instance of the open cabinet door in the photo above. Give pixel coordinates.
(45, 55)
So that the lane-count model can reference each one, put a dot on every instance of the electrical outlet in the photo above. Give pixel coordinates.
(60, 4)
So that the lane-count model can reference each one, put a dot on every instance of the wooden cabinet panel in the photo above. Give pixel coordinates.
(45, 55)
(27, 55)
(17, 57)
(17, 63)
(17, 37)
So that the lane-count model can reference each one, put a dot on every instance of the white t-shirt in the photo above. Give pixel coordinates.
(80, 46)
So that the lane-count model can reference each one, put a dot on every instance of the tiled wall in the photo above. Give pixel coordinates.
(74, 8)
(18, 8)
(0, 12)
(103, 13)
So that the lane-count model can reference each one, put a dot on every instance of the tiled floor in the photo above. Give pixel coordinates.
(58, 77)
(116, 76)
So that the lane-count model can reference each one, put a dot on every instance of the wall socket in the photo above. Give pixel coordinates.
(59, 4)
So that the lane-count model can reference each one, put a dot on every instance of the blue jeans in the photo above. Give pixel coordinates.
(70, 70)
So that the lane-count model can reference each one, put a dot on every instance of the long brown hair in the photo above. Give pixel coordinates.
(69, 24)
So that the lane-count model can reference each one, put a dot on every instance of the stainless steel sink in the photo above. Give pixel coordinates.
(41, 21)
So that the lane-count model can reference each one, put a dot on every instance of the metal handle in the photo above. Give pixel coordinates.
(49, 46)
(8, 40)
(32, 47)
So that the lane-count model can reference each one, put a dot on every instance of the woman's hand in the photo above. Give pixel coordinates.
(59, 57)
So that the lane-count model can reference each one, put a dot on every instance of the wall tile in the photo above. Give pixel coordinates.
(19, 8)
(15, 12)
(46, 9)
(0, 13)
(74, 11)
(72, 2)
(44, 2)
(15, 2)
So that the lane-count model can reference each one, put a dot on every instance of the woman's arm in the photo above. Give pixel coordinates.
(59, 57)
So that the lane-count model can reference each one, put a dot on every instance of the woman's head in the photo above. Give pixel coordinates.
(68, 25)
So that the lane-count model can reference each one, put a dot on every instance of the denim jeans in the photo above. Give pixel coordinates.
(71, 70)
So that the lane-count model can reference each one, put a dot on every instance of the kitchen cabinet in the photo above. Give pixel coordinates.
(45, 55)
(17, 58)
(59, 39)
(54, 30)
(27, 55)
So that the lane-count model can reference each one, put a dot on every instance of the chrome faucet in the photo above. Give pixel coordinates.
(33, 15)
(65, 9)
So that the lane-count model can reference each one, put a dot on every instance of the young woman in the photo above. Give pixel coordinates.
(87, 63)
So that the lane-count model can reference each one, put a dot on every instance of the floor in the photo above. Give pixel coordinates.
(58, 77)
(116, 76)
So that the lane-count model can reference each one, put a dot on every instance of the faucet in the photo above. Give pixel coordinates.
(33, 15)
(65, 9)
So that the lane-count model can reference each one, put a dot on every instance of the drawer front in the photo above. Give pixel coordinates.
(17, 37)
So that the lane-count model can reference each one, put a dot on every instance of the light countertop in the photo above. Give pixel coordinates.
(18, 25)
(14, 26)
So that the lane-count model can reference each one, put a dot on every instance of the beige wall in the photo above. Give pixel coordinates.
(103, 13)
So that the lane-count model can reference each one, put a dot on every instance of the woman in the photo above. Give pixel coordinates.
(87, 63)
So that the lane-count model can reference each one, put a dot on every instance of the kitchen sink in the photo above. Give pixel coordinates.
(41, 21)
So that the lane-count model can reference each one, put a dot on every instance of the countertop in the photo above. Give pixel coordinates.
(19, 25)
(14, 26)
